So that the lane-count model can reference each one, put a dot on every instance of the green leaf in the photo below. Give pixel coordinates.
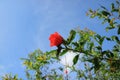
(115, 10)
(116, 39)
(112, 55)
(99, 47)
(63, 52)
(108, 53)
(118, 29)
(109, 39)
(117, 2)
(52, 53)
(15, 77)
(75, 60)
(104, 52)
(91, 46)
(116, 48)
(75, 44)
(112, 6)
(108, 20)
(105, 13)
(99, 39)
(71, 37)
(109, 28)
(90, 10)
(96, 64)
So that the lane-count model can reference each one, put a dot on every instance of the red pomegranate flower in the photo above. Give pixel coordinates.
(55, 39)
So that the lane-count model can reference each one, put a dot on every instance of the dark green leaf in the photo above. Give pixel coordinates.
(98, 36)
(105, 20)
(63, 52)
(112, 55)
(109, 28)
(109, 39)
(117, 2)
(115, 10)
(96, 63)
(108, 53)
(116, 39)
(90, 10)
(58, 51)
(118, 29)
(99, 48)
(60, 68)
(92, 68)
(75, 44)
(82, 43)
(99, 39)
(89, 60)
(112, 6)
(104, 52)
(75, 60)
(71, 37)
(116, 48)
(108, 20)
(105, 13)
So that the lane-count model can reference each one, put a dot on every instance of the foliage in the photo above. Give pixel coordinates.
(98, 62)
(10, 77)
(36, 66)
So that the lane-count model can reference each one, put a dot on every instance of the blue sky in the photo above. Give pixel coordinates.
(25, 25)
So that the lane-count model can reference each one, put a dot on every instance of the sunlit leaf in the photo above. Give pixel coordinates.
(109, 28)
(52, 52)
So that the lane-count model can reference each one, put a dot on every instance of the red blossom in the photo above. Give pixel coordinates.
(55, 39)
